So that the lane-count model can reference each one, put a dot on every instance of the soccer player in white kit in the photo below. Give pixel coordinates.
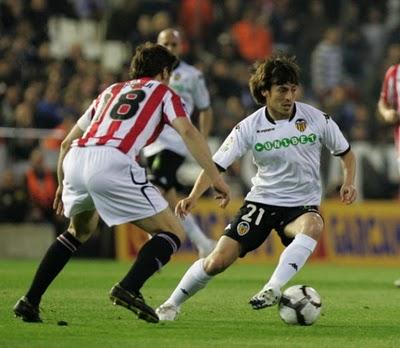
(98, 174)
(285, 138)
(389, 108)
(168, 152)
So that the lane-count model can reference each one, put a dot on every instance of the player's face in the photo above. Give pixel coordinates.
(280, 99)
(170, 41)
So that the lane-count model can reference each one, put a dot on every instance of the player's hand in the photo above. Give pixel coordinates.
(58, 204)
(391, 116)
(348, 194)
(222, 192)
(184, 206)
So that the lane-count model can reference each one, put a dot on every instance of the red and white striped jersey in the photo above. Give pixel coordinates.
(129, 115)
(390, 94)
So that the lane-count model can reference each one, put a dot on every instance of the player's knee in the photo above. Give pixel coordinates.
(179, 232)
(314, 226)
(214, 264)
(82, 233)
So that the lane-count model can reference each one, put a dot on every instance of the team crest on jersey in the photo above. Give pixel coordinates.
(177, 76)
(242, 228)
(301, 124)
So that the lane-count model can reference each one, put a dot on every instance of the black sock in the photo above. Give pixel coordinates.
(152, 256)
(52, 263)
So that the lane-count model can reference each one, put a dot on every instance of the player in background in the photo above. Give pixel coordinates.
(285, 138)
(168, 152)
(98, 174)
(389, 108)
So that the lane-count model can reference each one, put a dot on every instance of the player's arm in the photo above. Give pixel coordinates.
(388, 113)
(75, 133)
(198, 147)
(348, 192)
(205, 121)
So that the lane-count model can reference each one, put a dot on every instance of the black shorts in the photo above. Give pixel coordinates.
(163, 168)
(254, 222)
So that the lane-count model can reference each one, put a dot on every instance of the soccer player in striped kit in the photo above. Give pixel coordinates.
(168, 152)
(389, 108)
(98, 174)
(285, 138)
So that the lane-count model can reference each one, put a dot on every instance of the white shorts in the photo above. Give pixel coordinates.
(105, 179)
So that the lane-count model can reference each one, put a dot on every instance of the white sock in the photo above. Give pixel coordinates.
(193, 280)
(194, 233)
(292, 260)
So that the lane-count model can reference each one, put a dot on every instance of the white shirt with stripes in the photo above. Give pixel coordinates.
(129, 115)
(390, 94)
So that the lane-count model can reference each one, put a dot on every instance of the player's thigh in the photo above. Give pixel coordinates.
(224, 254)
(83, 225)
(310, 223)
(164, 221)
(171, 197)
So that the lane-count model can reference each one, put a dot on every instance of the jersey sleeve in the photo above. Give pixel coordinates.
(388, 86)
(333, 137)
(201, 97)
(85, 120)
(235, 146)
(173, 107)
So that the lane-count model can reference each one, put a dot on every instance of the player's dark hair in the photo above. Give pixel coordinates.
(150, 60)
(276, 70)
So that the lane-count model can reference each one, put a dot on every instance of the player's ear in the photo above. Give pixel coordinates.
(165, 74)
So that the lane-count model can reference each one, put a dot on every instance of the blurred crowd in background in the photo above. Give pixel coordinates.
(56, 56)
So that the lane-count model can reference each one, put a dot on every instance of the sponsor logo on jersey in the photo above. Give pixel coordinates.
(265, 130)
(285, 142)
(301, 124)
(227, 144)
(242, 228)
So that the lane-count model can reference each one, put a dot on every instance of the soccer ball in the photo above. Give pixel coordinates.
(300, 305)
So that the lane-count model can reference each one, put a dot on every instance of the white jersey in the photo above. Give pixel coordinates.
(188, 82)
(129, 115)
(286, 153)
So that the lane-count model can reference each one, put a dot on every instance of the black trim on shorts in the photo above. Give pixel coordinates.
(254, 222)
(136, 182)
(142, 189)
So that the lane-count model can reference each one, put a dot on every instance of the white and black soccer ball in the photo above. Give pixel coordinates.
(300, 305)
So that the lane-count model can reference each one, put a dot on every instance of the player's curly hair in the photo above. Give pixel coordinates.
(151, 59)
(275, 70)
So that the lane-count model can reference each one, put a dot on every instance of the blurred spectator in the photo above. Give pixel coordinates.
(92, 9)
(327, 63)
(196, 17)
(374, 32)
(313, 23)
(20, 147)
(8, 104)
(48, 110)
(253, 25)
(341, 108)
(13, 199)
(41, 186)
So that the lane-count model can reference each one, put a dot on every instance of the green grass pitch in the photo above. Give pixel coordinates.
(360, 309)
